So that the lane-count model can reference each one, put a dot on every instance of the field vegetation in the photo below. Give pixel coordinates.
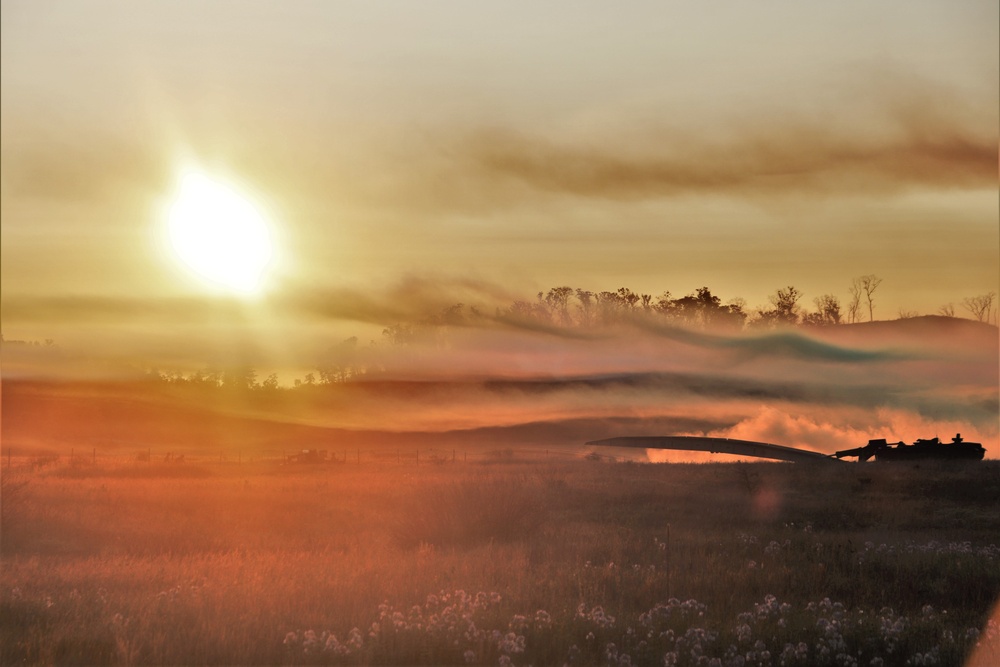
(505, 561)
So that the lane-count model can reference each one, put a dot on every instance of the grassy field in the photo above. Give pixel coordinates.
(541, 562)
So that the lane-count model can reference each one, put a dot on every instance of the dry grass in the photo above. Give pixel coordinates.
(215, 563)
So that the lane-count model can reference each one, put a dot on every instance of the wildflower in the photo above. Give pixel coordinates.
(543, 620)
(611, 652)
(469, 656)
(511, 643)
(333, 645)
(518, 623)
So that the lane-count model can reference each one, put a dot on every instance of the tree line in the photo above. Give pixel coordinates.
(567, 308)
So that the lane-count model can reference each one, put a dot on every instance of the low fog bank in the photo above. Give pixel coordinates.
(507, 385)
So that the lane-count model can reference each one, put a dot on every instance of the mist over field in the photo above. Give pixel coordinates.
(510, 381)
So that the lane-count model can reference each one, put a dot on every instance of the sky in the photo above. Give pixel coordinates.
(486, 151)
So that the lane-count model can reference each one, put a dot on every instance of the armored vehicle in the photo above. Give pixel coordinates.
(924, 449)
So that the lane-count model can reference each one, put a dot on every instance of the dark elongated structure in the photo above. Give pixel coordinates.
(761, 450)
(921, 450)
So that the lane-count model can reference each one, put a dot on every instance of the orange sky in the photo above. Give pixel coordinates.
(485, 151)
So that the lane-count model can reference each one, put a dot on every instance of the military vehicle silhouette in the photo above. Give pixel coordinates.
(925, 449)
(880, 449)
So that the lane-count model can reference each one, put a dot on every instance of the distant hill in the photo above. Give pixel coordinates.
(129, 418)
(919, 330)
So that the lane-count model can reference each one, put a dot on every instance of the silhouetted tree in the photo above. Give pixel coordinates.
(628, 298)
(270, 383)
(558, 301)
(854, 305)
(733, 315)
(240, 379)
(400, 334)
(450, 316)
(610, 306)
(980, 306)
(786, 305)
(340, 362)
(585, 305)
(828, 309)
(526, 310)
(947, 310)
(703, 309)
(868, 284)
(664, 304)
(697, 308)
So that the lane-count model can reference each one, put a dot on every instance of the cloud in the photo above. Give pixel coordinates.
(888, 132)
(777, 160)
(82, 167)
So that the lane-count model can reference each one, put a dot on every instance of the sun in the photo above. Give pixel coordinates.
(219, 234)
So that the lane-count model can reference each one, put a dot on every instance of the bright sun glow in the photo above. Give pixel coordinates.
(219, 234)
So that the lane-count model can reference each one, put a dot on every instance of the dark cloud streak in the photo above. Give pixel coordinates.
(776, 161)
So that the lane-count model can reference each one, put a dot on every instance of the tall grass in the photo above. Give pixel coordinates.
(252, 564)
